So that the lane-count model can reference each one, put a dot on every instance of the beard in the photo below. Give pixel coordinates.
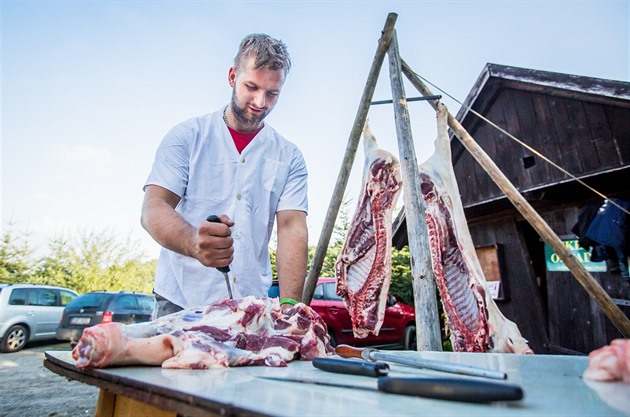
(240, 113)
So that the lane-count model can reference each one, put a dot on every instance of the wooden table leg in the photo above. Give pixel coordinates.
(112, 405)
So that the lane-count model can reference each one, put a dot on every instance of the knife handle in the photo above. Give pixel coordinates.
(346, 351)
(467, 390)
(349, 366)
(215, 219)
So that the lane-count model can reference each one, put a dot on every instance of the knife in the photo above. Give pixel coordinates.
(466, 390)
(223, 269)
(371, 354)
(351, 366)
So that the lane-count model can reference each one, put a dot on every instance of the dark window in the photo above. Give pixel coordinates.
(146, 303)
(18, 297)
(125, 302)
(90, 300)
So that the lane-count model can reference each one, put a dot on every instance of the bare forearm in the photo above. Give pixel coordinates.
(291, 257)
(167, 227)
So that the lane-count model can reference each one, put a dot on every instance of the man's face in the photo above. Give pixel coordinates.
(255, 93)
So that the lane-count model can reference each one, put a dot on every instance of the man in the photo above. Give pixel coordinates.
(231, 164)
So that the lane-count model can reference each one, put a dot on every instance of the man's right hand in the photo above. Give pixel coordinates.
(213, 244)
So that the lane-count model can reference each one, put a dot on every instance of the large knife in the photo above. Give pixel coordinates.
(452, 389)
(223, 269)
(371, 354)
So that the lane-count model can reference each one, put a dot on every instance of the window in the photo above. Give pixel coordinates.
(66, 297)
(146, 303)
(18, 297)
(42, 297)
(125, 302)
(330, 291)
(319, 292)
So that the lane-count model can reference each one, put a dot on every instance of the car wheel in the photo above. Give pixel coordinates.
(14, 339)
(333, 339)
(409, 343)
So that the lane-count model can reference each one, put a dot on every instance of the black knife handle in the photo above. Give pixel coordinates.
(467, 390)
(215, 219)
(350, 366)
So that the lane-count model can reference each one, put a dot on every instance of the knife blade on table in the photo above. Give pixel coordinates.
(466, 390)
(371, 354)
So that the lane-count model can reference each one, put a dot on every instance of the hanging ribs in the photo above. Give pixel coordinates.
(363, 268)
(242, 332)
(475, 322)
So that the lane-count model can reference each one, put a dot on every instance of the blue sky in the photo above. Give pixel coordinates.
(90, 88)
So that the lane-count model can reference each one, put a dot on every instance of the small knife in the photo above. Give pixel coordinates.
(466, 390)
(351, 366)
(223, 269)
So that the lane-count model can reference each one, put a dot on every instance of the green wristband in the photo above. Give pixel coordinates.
(288, 301)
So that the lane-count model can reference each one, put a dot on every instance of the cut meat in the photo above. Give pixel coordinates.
(363, 268)
(610, 363)
(242, 332)
(475, 322)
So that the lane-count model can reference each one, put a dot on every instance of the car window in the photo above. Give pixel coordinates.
(42, 297)
(125, 302)
(90, 300)
(146, 303)
(319, 292)
(66, 297)
(330, 291)
(18, 297)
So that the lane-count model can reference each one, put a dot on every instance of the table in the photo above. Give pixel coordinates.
(552, 384)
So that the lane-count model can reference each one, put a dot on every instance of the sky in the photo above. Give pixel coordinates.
(89, 88)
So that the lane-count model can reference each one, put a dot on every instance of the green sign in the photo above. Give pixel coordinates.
(554, 264)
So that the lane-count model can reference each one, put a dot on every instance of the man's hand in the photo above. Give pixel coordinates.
(213, 245)
(210, 243)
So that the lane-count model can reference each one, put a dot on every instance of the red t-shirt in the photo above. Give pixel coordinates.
(242, 139)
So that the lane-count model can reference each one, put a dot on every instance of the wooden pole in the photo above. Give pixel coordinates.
(427, 318)
(592, 287)
(348, 160)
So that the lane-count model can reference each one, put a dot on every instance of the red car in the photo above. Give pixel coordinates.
(398, 329)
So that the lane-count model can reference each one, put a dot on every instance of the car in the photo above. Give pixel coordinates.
(30, 312)
(97, 307)
(398, 329)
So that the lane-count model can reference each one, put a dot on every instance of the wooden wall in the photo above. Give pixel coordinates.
(524, 304)
(582, 137)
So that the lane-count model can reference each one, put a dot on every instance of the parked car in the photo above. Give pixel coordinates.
(30, 312)
(398, 329)
(98, 307)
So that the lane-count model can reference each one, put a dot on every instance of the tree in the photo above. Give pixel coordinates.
(15, 257)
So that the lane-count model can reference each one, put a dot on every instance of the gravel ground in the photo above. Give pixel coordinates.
(27, 389)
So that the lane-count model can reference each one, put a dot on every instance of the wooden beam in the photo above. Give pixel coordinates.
(348, 160)
(427, 316)
(592, 287)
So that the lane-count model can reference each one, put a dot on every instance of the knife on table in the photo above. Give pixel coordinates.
(453, 389)
(371, 355)
(223, 269)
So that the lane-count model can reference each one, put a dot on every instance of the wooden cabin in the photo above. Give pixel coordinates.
(583, 125)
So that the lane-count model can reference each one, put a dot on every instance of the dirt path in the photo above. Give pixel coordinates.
(29, 389)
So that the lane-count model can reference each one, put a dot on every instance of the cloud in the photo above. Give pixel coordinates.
(83, 153)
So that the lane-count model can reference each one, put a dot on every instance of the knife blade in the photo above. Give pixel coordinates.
(464, 390)
(223, 269)
(371, 354)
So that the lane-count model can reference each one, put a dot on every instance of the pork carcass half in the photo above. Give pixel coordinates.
(610, 363)
(475, 322)
(363, 268)
(242, 332)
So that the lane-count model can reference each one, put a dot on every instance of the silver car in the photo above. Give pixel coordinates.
(30, 312)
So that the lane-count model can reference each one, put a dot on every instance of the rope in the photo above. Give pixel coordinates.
(526, 146)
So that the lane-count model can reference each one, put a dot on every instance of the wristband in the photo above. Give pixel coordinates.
(288, 301)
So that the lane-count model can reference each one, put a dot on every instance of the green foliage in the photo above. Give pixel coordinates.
(90, 261)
